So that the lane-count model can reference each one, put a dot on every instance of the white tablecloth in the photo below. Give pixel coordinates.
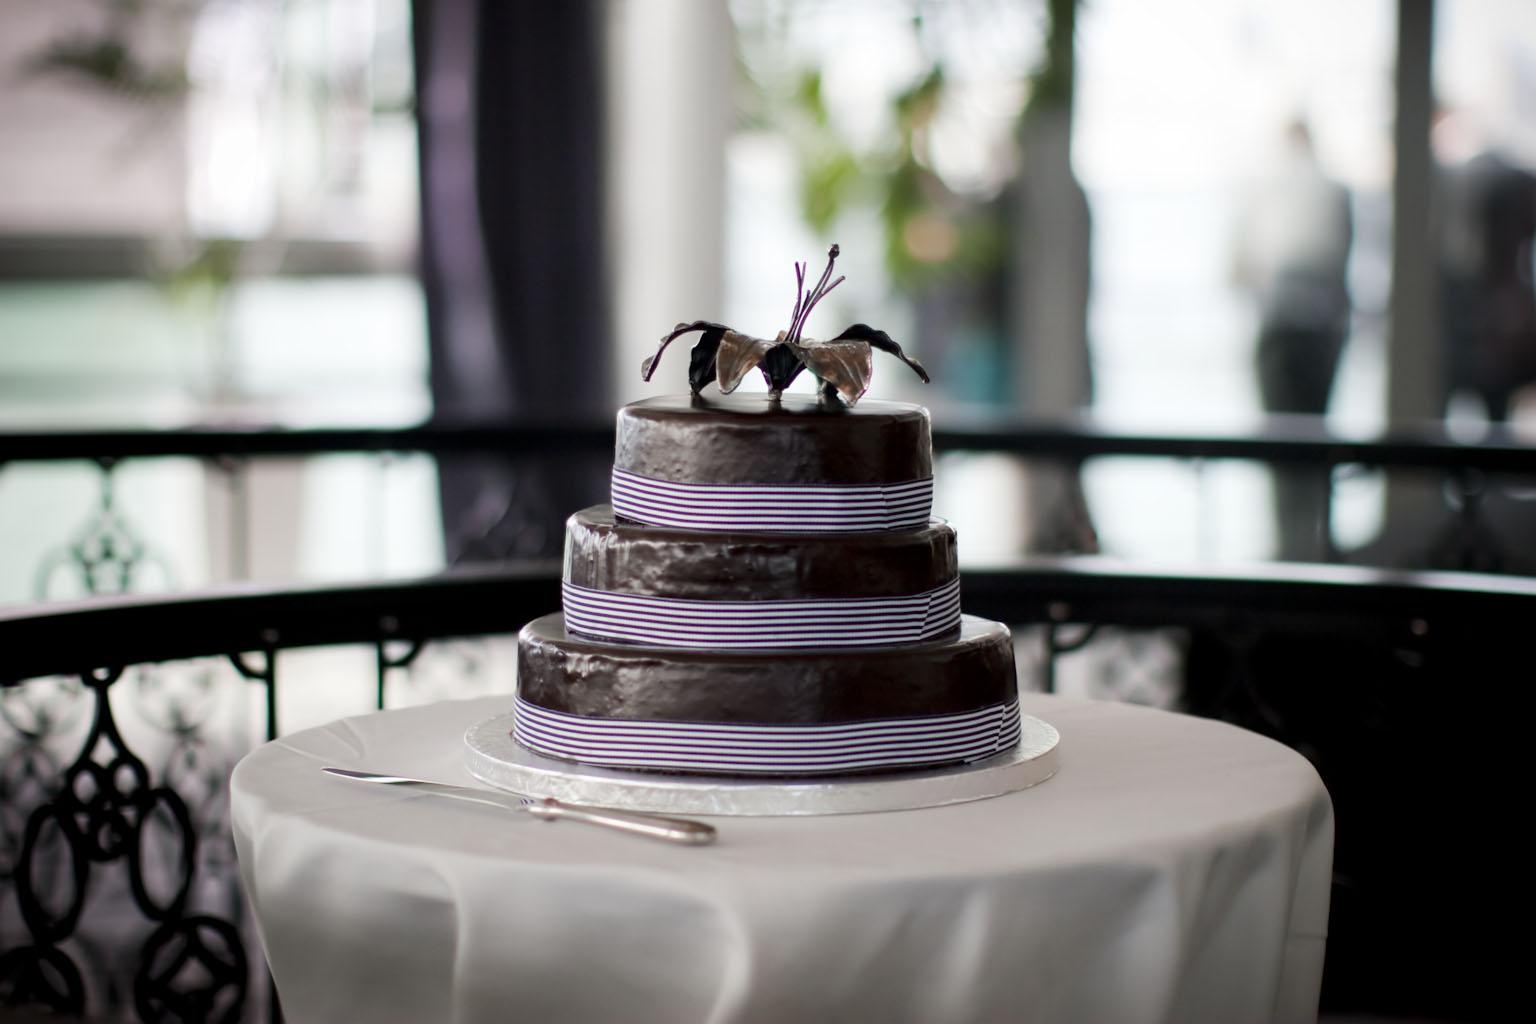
(1175, 869)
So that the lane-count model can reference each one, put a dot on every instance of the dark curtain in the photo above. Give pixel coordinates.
(511, 156)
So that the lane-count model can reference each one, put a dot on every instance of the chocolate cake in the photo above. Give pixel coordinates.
(767, 593)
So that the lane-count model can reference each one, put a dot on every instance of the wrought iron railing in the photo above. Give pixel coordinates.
(1387, 681)
(1294, 439)
(106, 553)
(99, 830)
(118, 895)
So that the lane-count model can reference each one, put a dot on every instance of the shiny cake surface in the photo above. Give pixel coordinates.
(605, 553)
(754, 439)
(577, 676)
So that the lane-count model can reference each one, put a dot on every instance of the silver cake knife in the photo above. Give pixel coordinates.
(655, 826)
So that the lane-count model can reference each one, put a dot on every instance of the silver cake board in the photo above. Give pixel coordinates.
(495, 758)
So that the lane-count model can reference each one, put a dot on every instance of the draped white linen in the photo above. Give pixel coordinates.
(1174, 870)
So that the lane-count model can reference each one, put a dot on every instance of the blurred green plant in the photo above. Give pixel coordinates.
(931, 232)
(108, 64)
(199, 280)
(104, 58)
(196, 273)
(1054, 81)
(952, 249)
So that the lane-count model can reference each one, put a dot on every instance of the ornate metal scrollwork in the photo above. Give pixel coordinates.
(1058, 641)
(106, 554)
(192, 969)
(389, 655)
(30, 774)
(444, 669)
(109, 810)
(1135, 666)
(41, 976)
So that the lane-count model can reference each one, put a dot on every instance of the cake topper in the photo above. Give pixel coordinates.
(843, 365)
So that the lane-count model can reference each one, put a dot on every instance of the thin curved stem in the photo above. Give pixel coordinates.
(816, 297)
(799, 293)
(822, 287)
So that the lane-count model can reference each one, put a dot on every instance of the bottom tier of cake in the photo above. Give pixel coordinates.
(764, 712)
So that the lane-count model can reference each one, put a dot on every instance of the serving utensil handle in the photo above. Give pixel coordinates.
(656, 826)
(653, 826)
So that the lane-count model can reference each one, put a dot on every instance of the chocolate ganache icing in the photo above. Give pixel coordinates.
(605, 553)
(690, 588)
(754, 649)
(832, 712)
(767, 593)
(971, 669)
(794, 440)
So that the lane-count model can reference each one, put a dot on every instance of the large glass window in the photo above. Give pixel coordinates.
(208, 214)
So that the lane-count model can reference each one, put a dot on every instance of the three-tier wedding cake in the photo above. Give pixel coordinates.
(766, 594)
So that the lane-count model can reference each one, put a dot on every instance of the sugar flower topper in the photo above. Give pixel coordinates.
(843, 365)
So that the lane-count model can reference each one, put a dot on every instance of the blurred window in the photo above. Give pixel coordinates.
(208, 213)
(203, 195)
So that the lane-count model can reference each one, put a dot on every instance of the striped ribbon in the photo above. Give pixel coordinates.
(776, 749)
(772, 508)
(745, 625)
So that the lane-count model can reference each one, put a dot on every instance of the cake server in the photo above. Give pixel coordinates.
(656, 826)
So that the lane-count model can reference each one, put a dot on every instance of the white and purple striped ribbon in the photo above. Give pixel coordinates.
(772, 508)
(746, 625)
(778, 749)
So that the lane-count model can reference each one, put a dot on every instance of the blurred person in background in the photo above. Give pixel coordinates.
(1487, 223)
(1291, 254)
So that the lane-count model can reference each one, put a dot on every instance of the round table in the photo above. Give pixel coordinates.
(1175, 869)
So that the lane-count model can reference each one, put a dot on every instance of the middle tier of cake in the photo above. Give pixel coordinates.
(682, 588)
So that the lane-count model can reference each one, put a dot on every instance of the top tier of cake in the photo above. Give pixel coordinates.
(752, 439)
(749, 463)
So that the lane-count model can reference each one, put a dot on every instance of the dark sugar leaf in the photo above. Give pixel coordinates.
(843, 367)
(738, 354)
(780, 367)
(883, 342)
(701, 362)
(701, 365)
